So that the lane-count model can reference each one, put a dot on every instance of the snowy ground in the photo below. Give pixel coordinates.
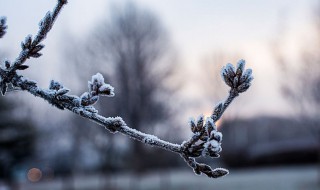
(277, 178)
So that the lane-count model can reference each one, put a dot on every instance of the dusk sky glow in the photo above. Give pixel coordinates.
(197, 29)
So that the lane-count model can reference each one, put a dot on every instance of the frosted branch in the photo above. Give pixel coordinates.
(205, 141)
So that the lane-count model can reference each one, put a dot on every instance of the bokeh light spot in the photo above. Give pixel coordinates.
(34, 174)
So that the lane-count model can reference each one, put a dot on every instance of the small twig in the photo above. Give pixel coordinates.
(32, 48)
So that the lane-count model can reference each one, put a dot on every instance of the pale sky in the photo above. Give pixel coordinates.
(197, 28)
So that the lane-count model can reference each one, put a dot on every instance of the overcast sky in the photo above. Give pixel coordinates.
(197, 28)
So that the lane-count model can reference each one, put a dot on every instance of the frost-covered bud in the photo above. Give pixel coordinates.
(62, 91)
(246, 75)
(106, 90)
(230, 70)
(240, 67)
(54, 85)
(45, 23)
(213, 145)
(22, 67)
(243, 87)
(27, 42)
(85, 96)
(238, 80)
(228, 75)
(212, 154)
(249, 79)
(97, 80)
(35, 51)
(210, 126)
(93, 89)
(200, 121)
(225, 77)
(97, 86)
(87, 99)
(216, 136)
(7, 64)
(192, 124)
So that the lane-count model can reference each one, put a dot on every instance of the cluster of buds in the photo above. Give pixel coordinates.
(238, 79)
(206, 140)
(58, 88)
(45, 24)
(96, 87)
(58, 93)
(5, 75)
(34, 50)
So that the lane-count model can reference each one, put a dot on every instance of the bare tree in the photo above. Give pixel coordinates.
(301, 77)
(135, 42)
(136, 53)
(206, 140)
(301, 81)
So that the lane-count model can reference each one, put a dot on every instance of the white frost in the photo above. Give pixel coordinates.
(98, 79)
(106, 88)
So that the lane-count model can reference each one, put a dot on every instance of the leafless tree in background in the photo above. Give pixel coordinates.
(134, 51)
(301, 81)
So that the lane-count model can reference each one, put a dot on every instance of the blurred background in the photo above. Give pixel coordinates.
(164, 60)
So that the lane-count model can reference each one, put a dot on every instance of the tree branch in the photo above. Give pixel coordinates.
(205, 141)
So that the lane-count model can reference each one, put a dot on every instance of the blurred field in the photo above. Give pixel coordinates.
(283, 178)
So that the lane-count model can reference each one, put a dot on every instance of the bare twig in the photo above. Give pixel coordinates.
(206, 140)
